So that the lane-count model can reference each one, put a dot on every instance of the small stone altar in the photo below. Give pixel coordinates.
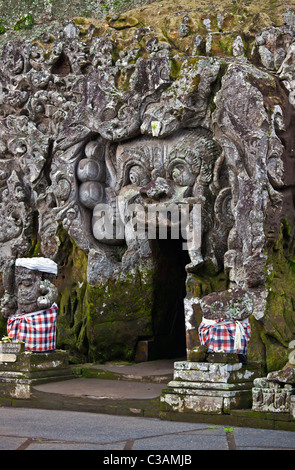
(276, 392)
(204, 387)
(271, 397)
(28, 355)
(20, 369)
(217, 377)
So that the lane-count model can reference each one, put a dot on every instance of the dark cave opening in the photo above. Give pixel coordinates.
(169, 339)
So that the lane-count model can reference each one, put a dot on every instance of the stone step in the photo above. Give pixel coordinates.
(159, 372)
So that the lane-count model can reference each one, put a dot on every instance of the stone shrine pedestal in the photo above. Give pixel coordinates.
(20, 369)
(204, 387)
(271, 397)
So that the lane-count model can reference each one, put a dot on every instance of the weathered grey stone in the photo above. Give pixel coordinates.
(85, 121)
(18, 378)
(275, 400)
(214, 372)
(292, 407)
(284, 376)
(11, 348)
(233, 304)
(28, 291)
(228, 358)
(209, 388)
(273, 393)
(194, 404)
(198, 354)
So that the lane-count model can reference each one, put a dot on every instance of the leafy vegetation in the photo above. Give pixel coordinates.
(25, 22)
(2, 25)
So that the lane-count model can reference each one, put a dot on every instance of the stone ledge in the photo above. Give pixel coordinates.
(151, 408)
(29, 368)
(206, 386)
(212, 403)
(28, 361)
(215, 372)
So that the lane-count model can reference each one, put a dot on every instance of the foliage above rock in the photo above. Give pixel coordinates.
(194, 27)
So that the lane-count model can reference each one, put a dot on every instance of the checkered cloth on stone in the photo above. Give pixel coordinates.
(37, 330)
(219, 335)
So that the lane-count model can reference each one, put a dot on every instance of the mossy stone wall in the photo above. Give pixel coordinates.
(99, 323)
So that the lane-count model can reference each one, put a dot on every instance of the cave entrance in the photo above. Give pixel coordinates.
(169, 339)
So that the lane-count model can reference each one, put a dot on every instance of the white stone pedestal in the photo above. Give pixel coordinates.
(202, 387)
(20, 369)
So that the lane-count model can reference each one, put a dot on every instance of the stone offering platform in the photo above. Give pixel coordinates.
(20, 369)
(203, 387)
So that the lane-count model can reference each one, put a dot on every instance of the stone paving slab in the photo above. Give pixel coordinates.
(34, 429)
(130, 381)
(246, 438)
(97, 388)
(159, 371)
(81, 394)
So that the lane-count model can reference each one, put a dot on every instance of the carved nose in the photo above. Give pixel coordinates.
(156, 189)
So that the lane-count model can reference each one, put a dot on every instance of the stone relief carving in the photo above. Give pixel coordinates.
(79, 130)
(28, 286)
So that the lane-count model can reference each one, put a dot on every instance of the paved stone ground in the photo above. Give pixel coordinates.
(34, 429)
(123, 414)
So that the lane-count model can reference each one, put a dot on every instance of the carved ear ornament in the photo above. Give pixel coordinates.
(222, 208)
(197, 151)
(181, 155)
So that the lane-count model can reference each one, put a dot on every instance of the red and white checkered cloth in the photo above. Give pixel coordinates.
(37, 330)
(222, 335)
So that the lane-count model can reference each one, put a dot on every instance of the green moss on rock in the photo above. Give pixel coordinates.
(118, 313)
(3, 327)
(71, 284)
(278, 325)
(104, 322)
(206, 280)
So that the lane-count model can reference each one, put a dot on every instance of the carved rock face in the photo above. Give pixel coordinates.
(89, 135)
(92, 163)
(28, 289)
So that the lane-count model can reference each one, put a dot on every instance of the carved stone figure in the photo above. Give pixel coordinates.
(223, 325)
(34, 295)
(28, 286)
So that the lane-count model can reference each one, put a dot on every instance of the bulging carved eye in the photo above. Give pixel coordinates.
(183, 175)
(21, 149)
(62, 189)
(138, 176)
